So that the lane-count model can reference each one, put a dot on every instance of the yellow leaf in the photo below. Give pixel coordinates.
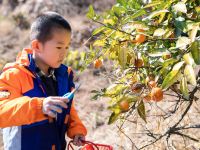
(190, 75)
(178, 65)
(180, 7)
(193, 32)
(188, 59)
(141, 110)
(184, 88)
(173, 75)
(109, 21)
(99, 42)
(159, 32)
(122, 56)
(182, 42)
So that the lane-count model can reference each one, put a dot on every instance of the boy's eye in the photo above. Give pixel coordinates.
(59, 47)
(66, 47)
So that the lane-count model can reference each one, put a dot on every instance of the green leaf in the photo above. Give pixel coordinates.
(156, 13)
(172, 76)
(109, 21)
(180, 25)
(141, 110)
(91, 13)
(188, 59)
(122, 56)
(100, 42)
(178, 66)
(190, 75)
(195, 50)
(197, 9)
(169, 62)
(115, 89)
(122, 2)
(118, 10)
(155, 3)
(184, 88)
(138, 13)
(114, 116)
(98, 30)
(95, 97)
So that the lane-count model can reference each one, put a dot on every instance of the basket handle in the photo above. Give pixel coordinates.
(85, 142)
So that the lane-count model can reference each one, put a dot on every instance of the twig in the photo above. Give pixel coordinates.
(133, 144)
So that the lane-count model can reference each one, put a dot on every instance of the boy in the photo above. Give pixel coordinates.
(33, 113)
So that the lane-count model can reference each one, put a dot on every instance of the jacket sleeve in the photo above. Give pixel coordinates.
(16, 109)
(75, 126)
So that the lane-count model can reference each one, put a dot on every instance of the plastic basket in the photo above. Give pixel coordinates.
(91, 146)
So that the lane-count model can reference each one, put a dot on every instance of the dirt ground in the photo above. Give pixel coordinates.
(14, 33)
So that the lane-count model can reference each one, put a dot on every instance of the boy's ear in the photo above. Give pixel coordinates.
(35, 45)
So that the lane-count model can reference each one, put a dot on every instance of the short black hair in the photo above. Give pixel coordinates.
(42, 27)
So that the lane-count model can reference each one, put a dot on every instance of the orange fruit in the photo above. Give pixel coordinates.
(140, 38)
(152, 84)
(97, 63)
(156, 94)
(139, 63)
(124, 105)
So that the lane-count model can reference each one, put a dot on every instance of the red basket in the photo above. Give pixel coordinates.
(91, 146)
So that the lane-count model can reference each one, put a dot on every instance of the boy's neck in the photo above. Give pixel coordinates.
(43, 66)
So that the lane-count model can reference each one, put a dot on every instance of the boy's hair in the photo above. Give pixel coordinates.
(43, 26)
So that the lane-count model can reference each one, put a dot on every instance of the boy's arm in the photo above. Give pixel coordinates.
(16, 109)
(75, 126)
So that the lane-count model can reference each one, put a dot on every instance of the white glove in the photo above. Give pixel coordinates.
(53, 105)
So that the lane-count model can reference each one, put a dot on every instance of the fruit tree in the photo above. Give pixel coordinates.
(154, 47)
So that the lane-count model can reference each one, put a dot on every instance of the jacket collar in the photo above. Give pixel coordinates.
(25, 60)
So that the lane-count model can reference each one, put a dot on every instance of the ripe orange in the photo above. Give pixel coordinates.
(152, 84)
(97, 63)
(139, 63)
(140, 38)
(124, 105)
(156, 94)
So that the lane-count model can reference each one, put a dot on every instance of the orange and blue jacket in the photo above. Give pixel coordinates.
(25, 127)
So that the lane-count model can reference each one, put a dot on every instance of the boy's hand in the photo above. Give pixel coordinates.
(77, 141)
(53, 105)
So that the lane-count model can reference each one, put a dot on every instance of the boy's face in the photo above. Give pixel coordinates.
(53, 51)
